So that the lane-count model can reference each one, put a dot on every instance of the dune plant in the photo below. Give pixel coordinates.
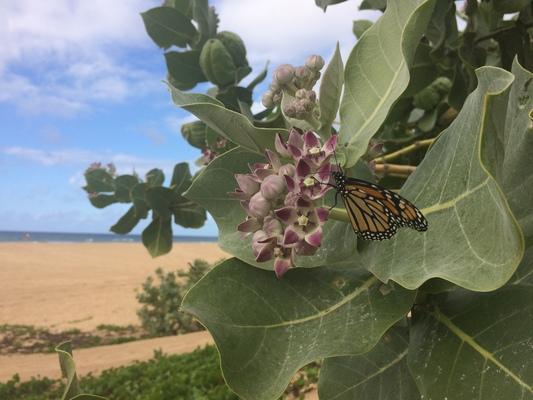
(441, 111)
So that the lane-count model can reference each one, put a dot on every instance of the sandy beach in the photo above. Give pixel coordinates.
(81, 285)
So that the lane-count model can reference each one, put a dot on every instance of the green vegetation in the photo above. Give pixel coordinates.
(193, 376)
(27, 339)
(160, 314)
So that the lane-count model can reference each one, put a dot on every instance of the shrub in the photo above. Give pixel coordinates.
(161, 299)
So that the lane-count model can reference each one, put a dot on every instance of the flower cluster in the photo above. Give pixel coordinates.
(279, 199)
(298, 82)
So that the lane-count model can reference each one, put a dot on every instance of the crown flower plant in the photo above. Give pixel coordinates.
(402, 288)
(280, 198)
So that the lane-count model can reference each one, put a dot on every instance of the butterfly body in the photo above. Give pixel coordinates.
(376, 213)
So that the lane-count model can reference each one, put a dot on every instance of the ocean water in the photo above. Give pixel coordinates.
(59, 237)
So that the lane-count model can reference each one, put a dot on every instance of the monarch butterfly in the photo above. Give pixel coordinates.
(375, 212)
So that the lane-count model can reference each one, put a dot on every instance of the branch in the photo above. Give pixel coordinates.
(406, 150)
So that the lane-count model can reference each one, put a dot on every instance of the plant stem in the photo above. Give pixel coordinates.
(401, 171)
(406, 150)
(339, 214)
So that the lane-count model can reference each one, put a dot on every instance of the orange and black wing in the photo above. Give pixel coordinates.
(403, 212)
(370, 218)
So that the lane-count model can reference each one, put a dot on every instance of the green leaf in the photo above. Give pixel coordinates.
(157, 236)
(181, 178)
(229, 124)
(423, 72)
(68, 369)
(184, 69)
(138, 197)
(323, 4)
(473, 239)
(206, 18)
(102, 200)
(258, 79)
(510, 6)
(514, 160)
(373, 5)
(127, 222)
(167, 26)
(377, 72)
(474, 345)
(360, 26)
(99, 180)
(210, 189)
(442, 26)
(183, 6)
(159, 199)
(155, 177)
(330, 93)
(380, 374)
(123, 186)
(267, 328)
(189, 214)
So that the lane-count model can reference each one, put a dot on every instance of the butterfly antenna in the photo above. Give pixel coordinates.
(337, 161)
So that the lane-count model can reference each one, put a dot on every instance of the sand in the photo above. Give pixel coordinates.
(82, 285)
(98, 359)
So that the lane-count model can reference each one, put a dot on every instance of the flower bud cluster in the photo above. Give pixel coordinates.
(279, 199)
(297, 81)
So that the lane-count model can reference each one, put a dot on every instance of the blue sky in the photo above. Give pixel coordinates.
(80, 81)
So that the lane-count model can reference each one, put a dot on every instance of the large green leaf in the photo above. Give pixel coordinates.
(157, 236)
(127, 222)
(516, 175)
(167, 26)
(330, 93)
(377, 72)
(229, 124)
(475, 345)
(266, 329)
(380, 374)
(210, 189)
(473, 239)
(184, 69)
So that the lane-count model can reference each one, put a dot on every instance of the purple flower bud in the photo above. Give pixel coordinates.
(314, 62)
(267, 99)
(281, 265)
(295, 138)
(250, 225)
(314, 238)
(302, 168)
(272, 187)
(258, 206)
(287, 169)
(301, 94)
(303, 73)
(94, 165)
(281, 147)
(290, 110)
(247, 184)
(284, 74)
(274, 160)
(311, 140)
(272, 227)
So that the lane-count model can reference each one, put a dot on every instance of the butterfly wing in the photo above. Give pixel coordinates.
(403, 212)
(369, 217)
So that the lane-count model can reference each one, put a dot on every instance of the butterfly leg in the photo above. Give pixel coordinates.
(335, 204)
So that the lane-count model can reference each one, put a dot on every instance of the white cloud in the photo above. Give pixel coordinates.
(60, 56)
(285, 31)
(125, 163)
